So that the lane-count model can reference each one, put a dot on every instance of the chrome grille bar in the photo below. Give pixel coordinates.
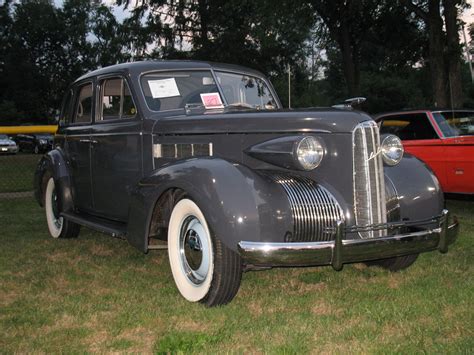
(314, 209)
(368, 178)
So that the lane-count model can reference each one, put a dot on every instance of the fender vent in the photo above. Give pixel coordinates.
(314, 209)
(182, 150)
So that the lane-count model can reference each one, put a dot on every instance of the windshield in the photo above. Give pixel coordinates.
(246, 90)
(454, 124)
(175, 90)
(3, 136)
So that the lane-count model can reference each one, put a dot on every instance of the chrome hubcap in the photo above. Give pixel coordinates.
(194, 250)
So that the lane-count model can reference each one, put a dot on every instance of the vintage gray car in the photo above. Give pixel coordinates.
(202, 160)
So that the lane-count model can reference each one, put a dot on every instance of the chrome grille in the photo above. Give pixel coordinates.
(314, 209)
(368, 178)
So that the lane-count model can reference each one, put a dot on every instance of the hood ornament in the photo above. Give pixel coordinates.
(350, 104)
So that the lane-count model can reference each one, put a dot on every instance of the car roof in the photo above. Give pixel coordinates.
(418, 110)
(151, 65)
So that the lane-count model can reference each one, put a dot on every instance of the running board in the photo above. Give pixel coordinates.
(116, 229)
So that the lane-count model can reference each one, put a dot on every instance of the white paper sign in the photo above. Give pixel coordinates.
(163, 88)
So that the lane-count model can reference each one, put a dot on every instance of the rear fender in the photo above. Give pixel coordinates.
(54, 163)
(238, 203)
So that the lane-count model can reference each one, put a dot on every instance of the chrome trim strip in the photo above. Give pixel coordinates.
(340, 251)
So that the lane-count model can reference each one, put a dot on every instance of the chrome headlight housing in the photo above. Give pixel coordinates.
(309, 152)
(392, 150)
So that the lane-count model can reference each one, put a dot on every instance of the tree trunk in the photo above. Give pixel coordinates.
(203, 39)
(349, 60)
(453, 55)
(336, 15)
(436, 55)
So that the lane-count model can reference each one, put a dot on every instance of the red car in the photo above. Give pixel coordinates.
(443, 139)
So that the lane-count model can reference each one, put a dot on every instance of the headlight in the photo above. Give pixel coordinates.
(392, 150)
(309, 152)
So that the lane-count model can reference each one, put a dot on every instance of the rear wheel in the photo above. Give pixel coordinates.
(203, 268)
(395, 264)
(58, 227)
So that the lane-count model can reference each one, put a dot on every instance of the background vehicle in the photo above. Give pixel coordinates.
(443, 139)
(34, 143)
(7, 145)
(201, 159)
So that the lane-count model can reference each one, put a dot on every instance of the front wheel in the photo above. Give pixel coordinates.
(58, 227)
(203, 268)
(395, 264)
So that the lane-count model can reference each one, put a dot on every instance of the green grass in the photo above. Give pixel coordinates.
(17, 171)
(99, 294)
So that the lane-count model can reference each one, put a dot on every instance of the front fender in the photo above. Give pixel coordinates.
(54, 163)
(239, 204)
(419, 192)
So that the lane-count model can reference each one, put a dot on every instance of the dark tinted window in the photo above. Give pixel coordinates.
(117, 101)
(83, 110)
(409, 126)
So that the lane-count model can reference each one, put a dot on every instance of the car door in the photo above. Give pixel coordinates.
(420, 138)
(116, 148)
(77, 145)
(458, 129)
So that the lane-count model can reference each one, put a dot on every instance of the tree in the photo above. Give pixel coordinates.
(444, 48)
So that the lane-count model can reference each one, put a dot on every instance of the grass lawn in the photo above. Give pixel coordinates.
(99, 294)
(17, 171)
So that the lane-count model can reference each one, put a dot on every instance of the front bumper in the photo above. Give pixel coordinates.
(340, 251)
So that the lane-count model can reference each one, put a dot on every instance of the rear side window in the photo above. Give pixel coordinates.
(83, 109)
(116, 100)
(409, 127)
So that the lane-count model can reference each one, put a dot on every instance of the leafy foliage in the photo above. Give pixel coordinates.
(379, 49)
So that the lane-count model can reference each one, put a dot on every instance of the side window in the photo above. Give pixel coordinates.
(83, 109)
(116, 100)
(65, 117)
(128, 109)
(409, 127)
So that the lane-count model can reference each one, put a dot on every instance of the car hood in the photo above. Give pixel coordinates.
(251, 121)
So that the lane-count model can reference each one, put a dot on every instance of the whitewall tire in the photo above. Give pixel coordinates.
(55, 222)
(203, 269)
(190, 251)
(58, 226)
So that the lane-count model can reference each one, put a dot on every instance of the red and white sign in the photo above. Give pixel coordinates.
(212, 100)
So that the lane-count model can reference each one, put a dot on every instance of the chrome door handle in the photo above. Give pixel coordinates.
(88, 141)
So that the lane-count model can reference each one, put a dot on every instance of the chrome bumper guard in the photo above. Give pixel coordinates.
(340, 251)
